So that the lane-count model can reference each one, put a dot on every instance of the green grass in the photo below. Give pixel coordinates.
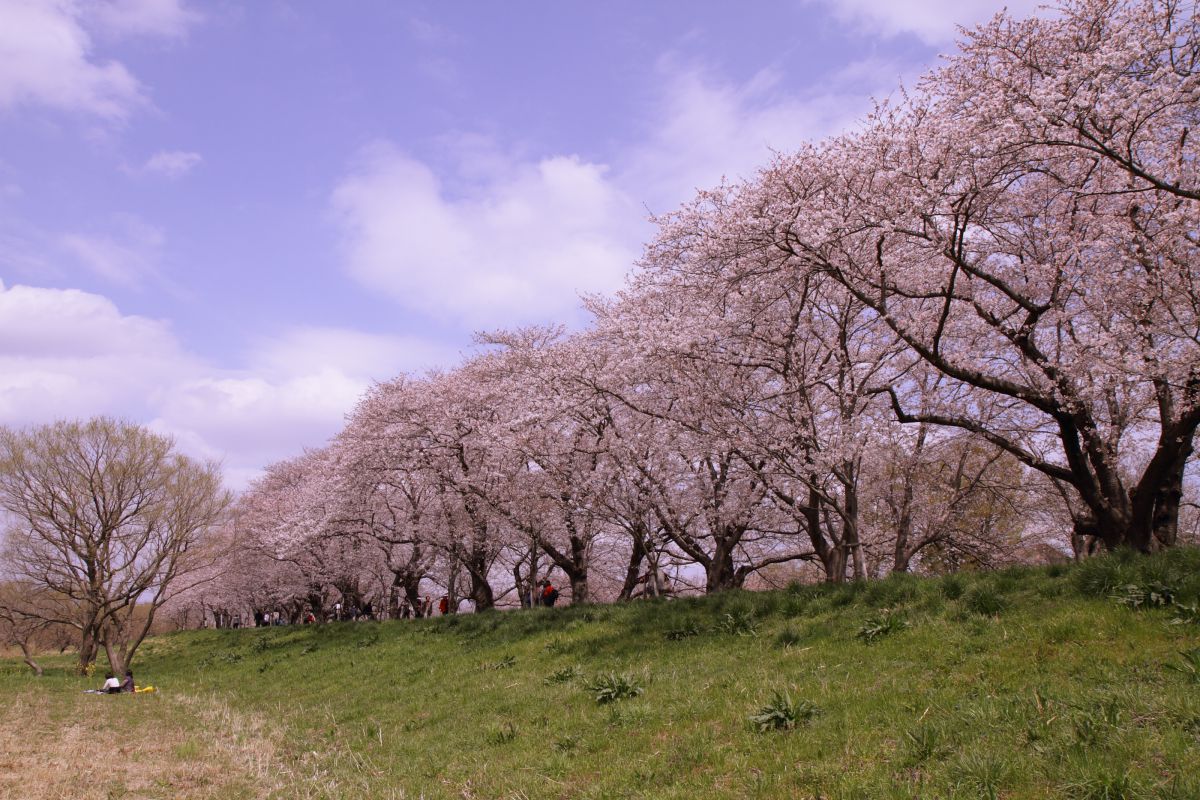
(1028, 683)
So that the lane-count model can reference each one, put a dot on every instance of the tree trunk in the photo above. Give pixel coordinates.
(87, 650)
(579, 589)
(720, 574)
(633, 569)
(850, 525)
(476, 563)
(116, 659)
(27, 657)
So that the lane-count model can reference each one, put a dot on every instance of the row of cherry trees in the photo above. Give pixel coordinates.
(925, 343)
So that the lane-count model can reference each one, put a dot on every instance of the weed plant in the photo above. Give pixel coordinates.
(783, 713)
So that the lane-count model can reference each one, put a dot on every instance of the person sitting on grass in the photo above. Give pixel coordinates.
(127, 684)
(111, 684)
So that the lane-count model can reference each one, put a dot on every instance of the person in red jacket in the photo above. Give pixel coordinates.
(444, 605)
(549, 594)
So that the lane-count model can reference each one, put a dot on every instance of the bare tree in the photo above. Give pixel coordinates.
(105, 519)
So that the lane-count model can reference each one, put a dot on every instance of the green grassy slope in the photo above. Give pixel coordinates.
(1018, 684)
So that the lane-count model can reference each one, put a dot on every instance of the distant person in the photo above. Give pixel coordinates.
(405, 609)
(549, 594)
(337, 611)
(111, 684)
(427, 607)
(444, 605)
(127, 684)
(310, 618)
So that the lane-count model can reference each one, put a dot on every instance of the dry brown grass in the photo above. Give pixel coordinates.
(58, 745)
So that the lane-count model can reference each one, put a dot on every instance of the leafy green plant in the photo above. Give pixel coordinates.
(878, 625)
(1149, 595)
(1088, 731)
(684, 630)
(1186, 614)
(783, 713)
(556, 646)
(740, 623)
(564, 675)
(1110, 786)
(263, 643)
(984, 600)
(568, 742)
(610, 687)
(788, 637)
(953, 587)
(507, 662)
(982, 775)
(503, 733)
(924, 741)
(1188, 665)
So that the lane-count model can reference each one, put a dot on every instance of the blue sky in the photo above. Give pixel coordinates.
(224, 220)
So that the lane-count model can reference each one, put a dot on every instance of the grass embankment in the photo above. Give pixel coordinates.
(1019, 684)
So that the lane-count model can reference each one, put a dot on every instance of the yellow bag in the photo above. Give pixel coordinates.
(143, 689)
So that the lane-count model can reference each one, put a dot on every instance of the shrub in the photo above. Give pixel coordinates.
(564, 675)
(788, 637)
(683, 631)
(739, 623)
(882, 624)
(783, 713)
(1150, 595)
(502, 734)
(897, 588)
(556, 646)
(610, 687)
(1098, 577)
(952, 587)
(924, 741)
(985, 600)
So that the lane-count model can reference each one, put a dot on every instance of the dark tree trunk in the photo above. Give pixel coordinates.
(633, 569)
(482, 594)
(88, 648)
(720, 573)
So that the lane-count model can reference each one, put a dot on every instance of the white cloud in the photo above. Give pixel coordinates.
(366, 356)
(67, 323)
(127, 257)
(47, 56)
(708, 129)
(171, 163)
(168, 19)
(46, 59)
(934, 21)
(516, 247)
(493, 239)
(65, 353)
(294, 391)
